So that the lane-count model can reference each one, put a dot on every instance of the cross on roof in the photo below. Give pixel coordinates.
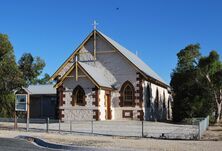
(94, 24)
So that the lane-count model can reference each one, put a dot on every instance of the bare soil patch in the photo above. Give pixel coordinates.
(214, 133)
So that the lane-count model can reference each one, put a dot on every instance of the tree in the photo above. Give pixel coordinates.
(211, 70)
(13, 76)
(31, 68)
(44, 80)
(188, 58)
(191, 97)
(10, 77)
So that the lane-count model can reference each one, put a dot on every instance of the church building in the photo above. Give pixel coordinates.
(102, 80)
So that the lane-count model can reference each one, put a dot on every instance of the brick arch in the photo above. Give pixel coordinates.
(125, 84)
(78, 89)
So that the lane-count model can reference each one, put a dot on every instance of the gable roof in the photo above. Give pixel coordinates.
(135, 60)
(96, 74)
(38, 89)
(70, 58)
(93, 73)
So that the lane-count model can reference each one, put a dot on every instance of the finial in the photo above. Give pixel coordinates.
(94, 24)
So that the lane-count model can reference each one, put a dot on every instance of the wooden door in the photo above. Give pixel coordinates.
(35, 107)
(108, 107)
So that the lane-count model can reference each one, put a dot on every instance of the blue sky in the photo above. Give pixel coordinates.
(158, 29)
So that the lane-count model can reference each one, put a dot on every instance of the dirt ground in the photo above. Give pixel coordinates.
(125, 143)
(214, 133)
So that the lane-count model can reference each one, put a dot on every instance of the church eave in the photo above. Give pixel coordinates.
(86, 73)
(157, 82)
(63, 77)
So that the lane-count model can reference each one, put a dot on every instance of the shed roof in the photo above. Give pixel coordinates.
(41, 89)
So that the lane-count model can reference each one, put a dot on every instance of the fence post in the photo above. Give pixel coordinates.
(15, 122)
(199, 130)
(208, 121)
(142, 129)
(47, 125)
(59, 125)
(92, 126)
(27, 124)
(205, 124)
(70, 126)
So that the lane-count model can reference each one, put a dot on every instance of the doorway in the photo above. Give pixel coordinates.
(108, 107)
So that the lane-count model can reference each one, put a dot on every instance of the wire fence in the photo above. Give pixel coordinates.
(110, 128)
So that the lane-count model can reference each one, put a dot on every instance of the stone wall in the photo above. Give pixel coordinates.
(78, 112)
(151, 111)
(117, 70)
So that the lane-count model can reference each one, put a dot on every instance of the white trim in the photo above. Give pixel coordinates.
(26, 102)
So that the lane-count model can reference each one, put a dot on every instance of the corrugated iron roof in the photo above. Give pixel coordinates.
(96, 74)
(125, 52)
(41, 89)
(134, 59)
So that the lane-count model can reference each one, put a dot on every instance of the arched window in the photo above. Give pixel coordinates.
(78, 96)
(127, 94)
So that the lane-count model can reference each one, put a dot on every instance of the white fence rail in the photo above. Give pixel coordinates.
(203, 126)
(112, 128)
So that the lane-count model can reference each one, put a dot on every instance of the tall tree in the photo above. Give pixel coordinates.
(44, 80)
(10, 76)
(188, 58)
(31, 67)
(211, 70)
(190, 95)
